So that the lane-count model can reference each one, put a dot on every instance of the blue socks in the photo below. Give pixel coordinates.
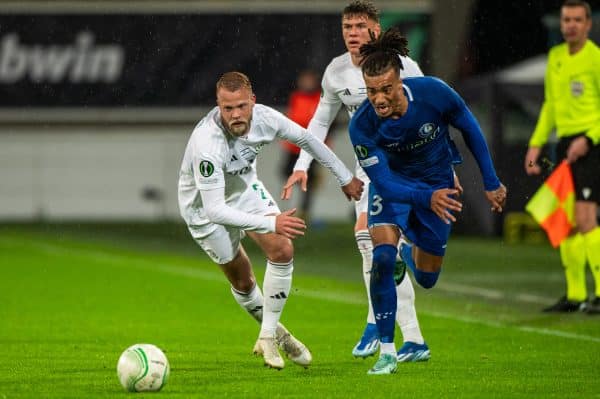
(425, 279)
(383, 291)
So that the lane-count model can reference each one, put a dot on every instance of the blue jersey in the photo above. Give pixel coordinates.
(410, 157)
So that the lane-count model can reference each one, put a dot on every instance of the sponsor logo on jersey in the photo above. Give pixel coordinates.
(361, 151)
(206, 168)
(346, 92)
(419, 143)
(352, 108)
(392, 146)
(577, 88)
(241, 171)
(429, 133)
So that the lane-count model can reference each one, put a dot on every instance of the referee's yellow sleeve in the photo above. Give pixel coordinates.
(544, 126)
(546, 120)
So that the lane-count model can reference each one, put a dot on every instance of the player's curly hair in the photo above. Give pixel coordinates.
(361, 7)
(382, 53)
(234, 81)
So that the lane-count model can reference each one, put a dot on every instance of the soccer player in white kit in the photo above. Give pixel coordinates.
(343, 84)
(221, 199)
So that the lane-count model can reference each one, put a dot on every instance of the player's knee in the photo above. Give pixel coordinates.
(283, 252)
(384, 258)
(426, 279)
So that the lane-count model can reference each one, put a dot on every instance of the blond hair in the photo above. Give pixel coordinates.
(234, 81)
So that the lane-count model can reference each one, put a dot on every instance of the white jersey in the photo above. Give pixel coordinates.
(218, 162)
(343, 84)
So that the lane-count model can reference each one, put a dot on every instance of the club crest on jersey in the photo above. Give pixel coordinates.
(577, 88)
(361, 151)
(206, 168)
(427, 129)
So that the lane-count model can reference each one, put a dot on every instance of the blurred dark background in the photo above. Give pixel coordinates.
(97, 99)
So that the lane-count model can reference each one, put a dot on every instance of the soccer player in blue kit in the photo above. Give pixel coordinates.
(400, 136)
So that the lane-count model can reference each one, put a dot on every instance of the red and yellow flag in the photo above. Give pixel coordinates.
(553, 204)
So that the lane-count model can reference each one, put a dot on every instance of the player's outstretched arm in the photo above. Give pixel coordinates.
(463, 119)
(354, 189)
(288, 225)
(291, 131)
(497, 198)
(298, 176)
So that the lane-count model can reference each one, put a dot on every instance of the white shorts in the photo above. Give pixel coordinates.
(223, 242)
(362, 205)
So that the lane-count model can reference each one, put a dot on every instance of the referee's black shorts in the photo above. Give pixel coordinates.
(586, 170)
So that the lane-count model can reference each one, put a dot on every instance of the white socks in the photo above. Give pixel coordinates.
(365, 247)
(253, 301)
(387, 348)
(276, 286)
(267, 310)
(406, 315)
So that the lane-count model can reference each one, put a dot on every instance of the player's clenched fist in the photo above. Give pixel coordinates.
(354, 189)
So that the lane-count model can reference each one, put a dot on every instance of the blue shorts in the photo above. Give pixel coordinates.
(422, 226)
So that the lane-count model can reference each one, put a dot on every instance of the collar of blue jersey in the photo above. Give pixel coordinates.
(389, 128)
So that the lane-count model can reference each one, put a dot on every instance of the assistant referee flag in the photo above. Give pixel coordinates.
(552, 205)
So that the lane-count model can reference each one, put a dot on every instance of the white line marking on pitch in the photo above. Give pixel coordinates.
(491, 293)
(328, 295)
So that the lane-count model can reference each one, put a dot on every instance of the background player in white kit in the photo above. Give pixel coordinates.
(221, 200)
(343, 84)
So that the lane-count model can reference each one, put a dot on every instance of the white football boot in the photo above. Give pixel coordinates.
(267, 347)
(295, 350)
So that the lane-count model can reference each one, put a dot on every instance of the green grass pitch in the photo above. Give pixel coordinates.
(72, 298)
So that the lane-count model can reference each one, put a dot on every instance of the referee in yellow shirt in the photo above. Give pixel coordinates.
(572, 106)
